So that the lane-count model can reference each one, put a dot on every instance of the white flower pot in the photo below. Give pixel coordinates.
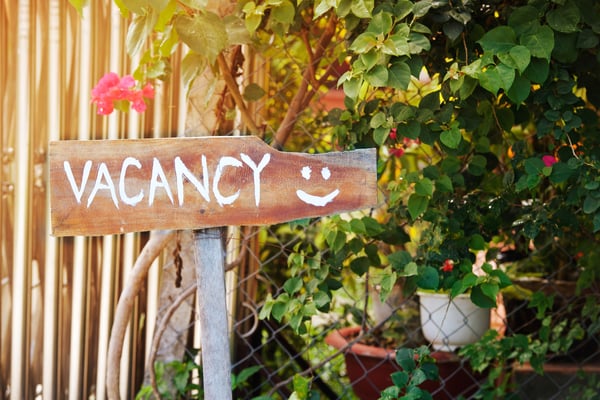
(449, 325)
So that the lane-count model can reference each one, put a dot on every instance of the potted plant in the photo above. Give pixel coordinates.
(486, 136)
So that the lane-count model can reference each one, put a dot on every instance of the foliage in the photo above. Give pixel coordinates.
(179, 375)
(417, 367)
(484, 114)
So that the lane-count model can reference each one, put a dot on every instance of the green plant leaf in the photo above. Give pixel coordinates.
(253, 92)
(362, 8)
(284, 12)
(417, 204)
(399, 76)
(381, 23)
(524, 19)
(537, 71)
(540, 42)
(360, 265)
(520, 89)
(564, 19)
(203, 33)
(364, 42)
(481, 298)
(400, 378)
(498, 40)
(429, 278)
(406, 359)
(424, 187)
(293, 285)
(451, 137)
(377, 76)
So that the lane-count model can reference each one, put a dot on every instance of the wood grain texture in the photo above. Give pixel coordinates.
(118, 199)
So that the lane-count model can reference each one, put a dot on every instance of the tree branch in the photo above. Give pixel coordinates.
(235, 93)
(135, 281)
(303, 95)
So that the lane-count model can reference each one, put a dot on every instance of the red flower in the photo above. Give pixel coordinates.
(393, 134)
(549, 160)
(448, 265)
(111, 88)
(397, 151)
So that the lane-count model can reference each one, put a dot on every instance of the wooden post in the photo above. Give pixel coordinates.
(210, 277)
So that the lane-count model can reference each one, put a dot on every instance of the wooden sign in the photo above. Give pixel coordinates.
(116, 186)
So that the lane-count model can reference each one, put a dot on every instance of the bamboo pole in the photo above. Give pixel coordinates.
(52, 268)
(21, 266)
(80, 253)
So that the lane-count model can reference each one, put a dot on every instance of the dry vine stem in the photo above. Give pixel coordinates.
(152, 249)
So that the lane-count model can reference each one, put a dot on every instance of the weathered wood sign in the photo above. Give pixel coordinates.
(116, 186)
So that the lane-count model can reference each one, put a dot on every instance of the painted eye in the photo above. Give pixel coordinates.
(312, 199)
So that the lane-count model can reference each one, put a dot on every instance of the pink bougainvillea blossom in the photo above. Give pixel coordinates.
(111, 89)
(549, 160)
(398, 149)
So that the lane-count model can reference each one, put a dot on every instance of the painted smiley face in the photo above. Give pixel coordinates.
(319, 201)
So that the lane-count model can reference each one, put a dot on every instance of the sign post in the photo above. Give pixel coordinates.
(117, 186)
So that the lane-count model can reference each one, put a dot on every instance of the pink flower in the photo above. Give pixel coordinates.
(549, 160)
(111, 88)
(393, 134)
(448, 265)
(397, 151)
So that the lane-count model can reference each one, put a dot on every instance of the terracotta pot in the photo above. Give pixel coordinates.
(369, 369)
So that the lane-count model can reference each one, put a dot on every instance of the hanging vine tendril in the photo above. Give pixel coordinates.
(177, 261)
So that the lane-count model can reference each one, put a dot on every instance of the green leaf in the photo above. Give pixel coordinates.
(321, 299)
(524, 19)
(481, 299)
(405, 358)
(245, 374)
(377, 76)
(293, 285)
(421, 8)
(381, 23)
(400, 378)
(490, 79)
(79, 4)
(360, 265)
(539, 42)
(417, 204)
(322, 6)
(498, 40)
(203, 33)
(518, 58)
(364, 42)
(253, 92)
(191, 66)
(591, 204)
(279, 310)
(399, 76)
(537, 71)
(561, 172)
(399, 259)
(444, 184)
(138, 32)
(352, 87)
(424, 187)
(284, 12)
(477, 242)
(429, 278)
(451, 137)
(520, 89)
(362, 8)
(381, 134)
(564, 19)
(387, 284)
(477, 165)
